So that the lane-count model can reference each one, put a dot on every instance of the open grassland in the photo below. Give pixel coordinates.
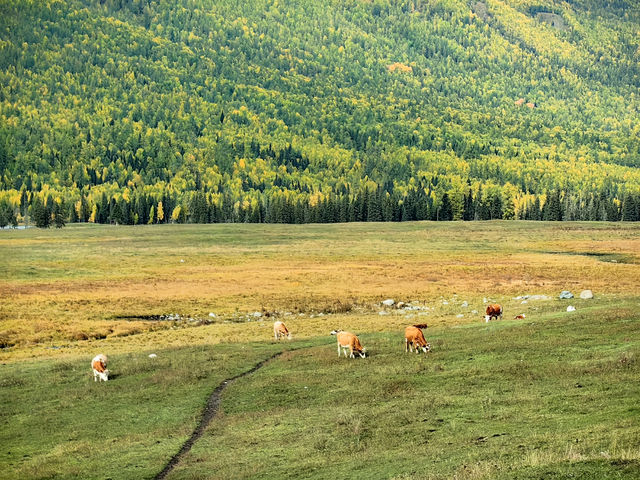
(93, 282)
(550, 396)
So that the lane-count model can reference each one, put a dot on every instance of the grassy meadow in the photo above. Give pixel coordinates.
(545, 397)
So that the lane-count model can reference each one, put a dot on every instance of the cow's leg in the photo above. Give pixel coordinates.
(338, 350)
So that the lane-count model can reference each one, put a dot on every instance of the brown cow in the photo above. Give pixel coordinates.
(280, 330)
(347, 340)
(414, 338)
(493, 311)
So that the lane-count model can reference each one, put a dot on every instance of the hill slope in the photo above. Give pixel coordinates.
(365, 110)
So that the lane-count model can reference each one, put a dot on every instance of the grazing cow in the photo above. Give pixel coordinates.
(493, 311)
(519, 317)
(347, 340)
(280, 330)
(99, 367)
(414, 338)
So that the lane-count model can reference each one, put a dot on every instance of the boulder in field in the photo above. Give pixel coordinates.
(539, 297)
(586, 294)
(566, 294)
(388, 302)
(571, 308)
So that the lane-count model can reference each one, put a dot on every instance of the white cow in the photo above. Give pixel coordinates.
(99, 367)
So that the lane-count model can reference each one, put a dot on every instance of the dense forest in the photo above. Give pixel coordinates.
(152, 111)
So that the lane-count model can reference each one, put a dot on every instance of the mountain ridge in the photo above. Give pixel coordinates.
(255, 103)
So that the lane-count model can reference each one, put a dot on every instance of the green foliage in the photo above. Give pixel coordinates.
(120, 105)
(40, 213)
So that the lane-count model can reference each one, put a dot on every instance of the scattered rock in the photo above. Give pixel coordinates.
(474, 311)
(586, 294)
(523, 302)
(539, 297)
(182, 260)
(565, 295)
(212, 315)
(152, 355)
(571, 308)
(388, 302)
(459, 315)
(257, 314)
(444, 302)
(465, 304)
(383, 313)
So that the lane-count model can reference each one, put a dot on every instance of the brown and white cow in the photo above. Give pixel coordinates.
(280, 330)
(99, 367)
(347, 340)
(414, 338)
(493, 311)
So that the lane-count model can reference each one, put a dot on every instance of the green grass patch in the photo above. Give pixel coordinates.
(540, 399)
(58, 423)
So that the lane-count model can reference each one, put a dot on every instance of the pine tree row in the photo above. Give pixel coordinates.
(287, 207)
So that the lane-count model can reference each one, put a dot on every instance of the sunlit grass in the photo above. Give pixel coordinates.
(551, 395)
(61, 286)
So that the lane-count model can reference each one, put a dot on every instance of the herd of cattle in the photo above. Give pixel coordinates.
(413, 340)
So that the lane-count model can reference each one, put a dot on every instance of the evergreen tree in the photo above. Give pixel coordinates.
(629, 210)
(40, 213)
(552, 210)
(59, 214)
(446, 210)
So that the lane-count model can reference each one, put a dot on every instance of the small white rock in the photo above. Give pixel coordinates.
(571, 308)
(388, 302)
(212, 315)
(152, 355)
(459, 315)
(465, 304)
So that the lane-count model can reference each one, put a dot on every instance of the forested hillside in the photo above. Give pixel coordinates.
(149, 111)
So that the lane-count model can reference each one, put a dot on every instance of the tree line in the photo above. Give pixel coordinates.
(363, 206)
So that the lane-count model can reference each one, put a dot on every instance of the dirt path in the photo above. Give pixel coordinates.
(209, 413)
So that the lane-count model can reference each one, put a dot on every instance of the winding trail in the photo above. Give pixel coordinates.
(210, 411)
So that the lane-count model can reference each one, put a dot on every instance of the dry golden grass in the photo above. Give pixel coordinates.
(69, 287)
